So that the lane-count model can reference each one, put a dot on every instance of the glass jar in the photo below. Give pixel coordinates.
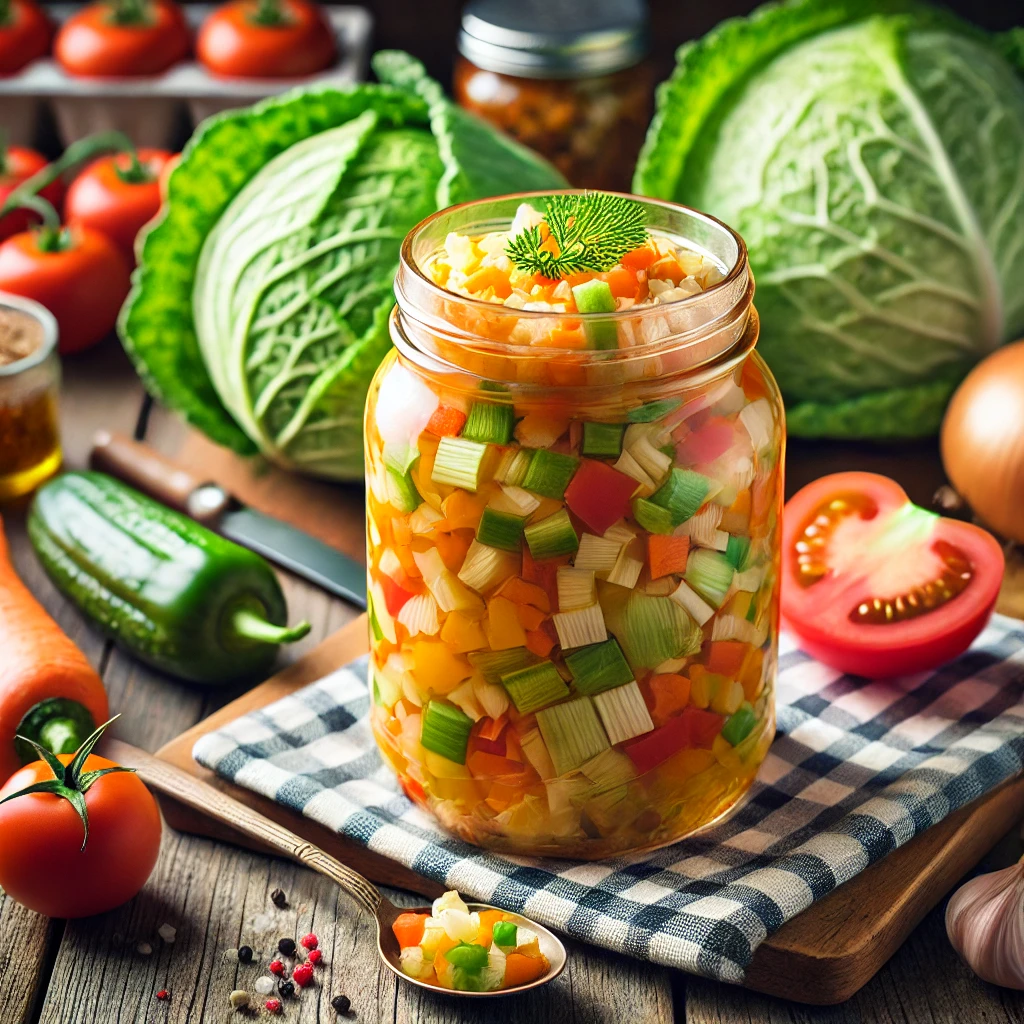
(637, 711)
(568, 80)
(30, 448)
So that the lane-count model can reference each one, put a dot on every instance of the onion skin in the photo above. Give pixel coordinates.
(983, 441)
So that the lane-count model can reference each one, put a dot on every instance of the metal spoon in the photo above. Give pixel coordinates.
(217, 805)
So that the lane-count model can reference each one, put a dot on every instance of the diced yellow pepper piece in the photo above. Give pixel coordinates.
(463, 634)
(437, 668)
(504, 630)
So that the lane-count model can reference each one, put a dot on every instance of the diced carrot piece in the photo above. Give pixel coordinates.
(622, 283)
(671, 694)
(530, 618)
(559, 337)
(408, 929)
(462, 510)
(452, 547)
(539, 643)
(668, 268)
(446, 421)
(488, 919)
(667, 554)
(503, 627)
(521, 970)
(640, 258)
(492, 728)
(400, 530)
(726, 657)
(543, 573)
(736, 518)
(581, 278)
(462, 634)
(493, 766)
(489, 277)
(518, 590)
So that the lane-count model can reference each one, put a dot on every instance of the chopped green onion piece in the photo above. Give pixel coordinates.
(626, 570)
(500, 530)
(489, 423)
(552, 537)
(514, 464)
(623, 713)
(655, 629)
(594, 296)
(535, 687)
(697, 607)
(493, 385)
(485, 567)
(549, 473)
(572, 733)
(652, 411)
(737, 550)
(682, 494)
(575, 588)
(608, 770)
(653, 518)
(668, 450)
(597, 668)
(446, 730)
(467, 955)
(710, 574)
(378, 633)
(458, 462)
(603, 440)
(504, 934)
(752, 610)
(598, 554)
(580, 627)
(492, 665)
(739, 725)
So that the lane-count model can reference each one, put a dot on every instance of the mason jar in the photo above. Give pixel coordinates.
(546, 681)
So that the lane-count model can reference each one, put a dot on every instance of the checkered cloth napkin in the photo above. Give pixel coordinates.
(858, 769)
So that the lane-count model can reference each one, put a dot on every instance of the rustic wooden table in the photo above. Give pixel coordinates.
(218, 897)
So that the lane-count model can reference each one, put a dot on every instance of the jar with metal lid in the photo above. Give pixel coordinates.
(30, 448)
(567, 79)
(573, 540)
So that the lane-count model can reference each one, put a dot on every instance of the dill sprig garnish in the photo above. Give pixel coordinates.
(592, 231)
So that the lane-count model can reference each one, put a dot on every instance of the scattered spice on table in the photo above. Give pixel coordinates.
(239, 999)
(286, 947)
(342, 1004)
(278, 898)
(245, 954)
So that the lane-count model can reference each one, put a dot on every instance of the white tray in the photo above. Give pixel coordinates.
(150, 110)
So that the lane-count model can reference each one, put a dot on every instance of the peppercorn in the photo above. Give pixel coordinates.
(286, 947)
(273, 1005)
(315, 956)
(303, 975)
(278, 898)
(309, 941)
(239, 999)
(286, 988)
(342, 1004)
(245, 954)
(276, 967)
(162, 994)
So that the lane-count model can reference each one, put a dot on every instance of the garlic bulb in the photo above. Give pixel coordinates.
(985, 923)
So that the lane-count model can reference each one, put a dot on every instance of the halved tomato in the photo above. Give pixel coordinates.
(877, 586)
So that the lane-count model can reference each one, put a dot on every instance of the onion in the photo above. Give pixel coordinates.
(983, 440)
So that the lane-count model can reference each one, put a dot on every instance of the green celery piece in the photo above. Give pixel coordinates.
(458, 463)
(492, 665)
(500, 530)
(445, 730)
(550, 473)
(552, 537)
(598, 667)
(737, 551)
(378, 633)
(739, 725)
(603, 440)
(682, 494)
(519, 467)
(653, 518)
(399, 460)
(489, 423)
(710, 574)
(535, 687)
(572, 733)
(504, 934)
(493, 385)
(651, 411)
(467, 955)
(594, 296)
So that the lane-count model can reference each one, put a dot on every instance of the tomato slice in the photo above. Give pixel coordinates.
(878, 587)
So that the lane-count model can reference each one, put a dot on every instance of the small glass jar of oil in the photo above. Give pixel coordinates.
(30, 449)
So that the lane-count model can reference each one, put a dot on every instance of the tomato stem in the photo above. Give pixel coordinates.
(136, 173)
(6, 18)
(269, 13)
(129, 12)
(51, 237)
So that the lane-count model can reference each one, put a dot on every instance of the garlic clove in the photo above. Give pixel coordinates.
(985, 924)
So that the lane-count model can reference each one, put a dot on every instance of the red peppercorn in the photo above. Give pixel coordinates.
(276, 967)
(273, 1005)
(315, 956)
(162, 994)
(302, 975)
(310, 941)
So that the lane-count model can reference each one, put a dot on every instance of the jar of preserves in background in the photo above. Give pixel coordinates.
(545, 680)
(30, 448)
(568, 79)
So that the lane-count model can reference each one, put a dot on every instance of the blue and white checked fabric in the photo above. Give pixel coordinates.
(858, 769)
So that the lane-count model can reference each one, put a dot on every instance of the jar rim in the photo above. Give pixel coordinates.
(44, 318)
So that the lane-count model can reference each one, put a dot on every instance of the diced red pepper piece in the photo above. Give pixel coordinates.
(599, 494)
(667, 555)
(395, 595)
(693, 728)
(446, 421)
(713, 440)
(538, 642)
(544, 573)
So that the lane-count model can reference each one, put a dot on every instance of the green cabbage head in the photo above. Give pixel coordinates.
(260, 305)
(871, 154)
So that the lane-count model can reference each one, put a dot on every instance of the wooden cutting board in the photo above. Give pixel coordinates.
(823, 956)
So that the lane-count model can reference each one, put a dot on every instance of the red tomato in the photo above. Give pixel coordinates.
(83, 283)
(16, 165)
(266, 39)
(25, 35)
(123, 39)
(42, 863)
(110, 197)
(874, 585)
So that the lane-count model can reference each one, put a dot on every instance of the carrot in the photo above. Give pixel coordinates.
(639, 259)
(667, 554)
(529, 617)
(539, 643)
(521, 970)
(622, 283)
(489, 277)
(671, 693)
(516, 589)
(446, 421)
(726, 656)
(408, 929)
(42, 675)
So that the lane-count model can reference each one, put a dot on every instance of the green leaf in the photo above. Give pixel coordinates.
(74, 769)
(56, 766)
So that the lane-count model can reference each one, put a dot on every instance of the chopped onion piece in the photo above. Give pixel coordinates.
(580, 627)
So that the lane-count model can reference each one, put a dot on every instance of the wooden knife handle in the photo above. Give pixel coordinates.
(142, 467)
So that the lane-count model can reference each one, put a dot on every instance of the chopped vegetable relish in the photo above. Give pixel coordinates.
(472, 952)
